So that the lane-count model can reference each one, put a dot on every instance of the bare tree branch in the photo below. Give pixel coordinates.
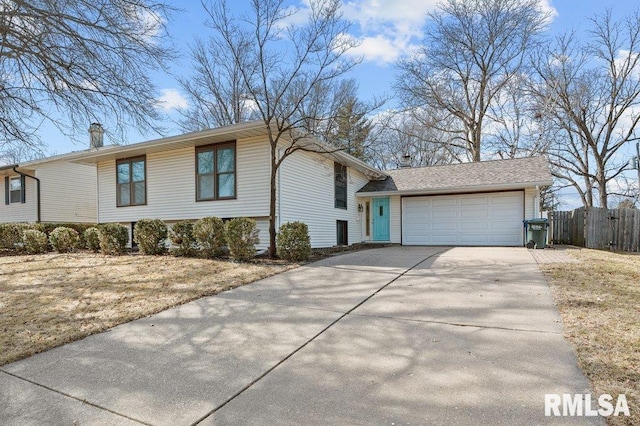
(472, 50)
(283, 67)
(589, 99)
(82, 60)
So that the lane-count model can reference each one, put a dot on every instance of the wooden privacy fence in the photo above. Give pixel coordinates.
(598, 228)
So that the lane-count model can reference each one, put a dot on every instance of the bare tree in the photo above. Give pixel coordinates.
(513, 130)
(471, 51)
(216, 91)
(626, 203)
(399, 134)
(348, 126)
(589, 94)
(285, 69)
(82, 60)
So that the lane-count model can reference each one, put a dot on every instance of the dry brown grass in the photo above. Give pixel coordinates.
(52, 299)
(599, 300)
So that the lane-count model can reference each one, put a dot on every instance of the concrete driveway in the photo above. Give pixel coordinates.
(403, 335)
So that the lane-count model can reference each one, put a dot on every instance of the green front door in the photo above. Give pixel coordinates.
(380, 210)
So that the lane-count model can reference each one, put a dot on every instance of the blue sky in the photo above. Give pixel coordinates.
(386, 29)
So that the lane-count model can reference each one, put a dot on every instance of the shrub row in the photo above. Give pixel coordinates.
(208, 237)
(63, 238)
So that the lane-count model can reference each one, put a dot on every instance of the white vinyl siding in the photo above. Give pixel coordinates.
(20, 212)
(67, 194)
(171, 189)
(395, 229)
(467, 219)
(306, 191)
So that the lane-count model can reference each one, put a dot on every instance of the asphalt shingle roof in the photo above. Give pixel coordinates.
(531, 170)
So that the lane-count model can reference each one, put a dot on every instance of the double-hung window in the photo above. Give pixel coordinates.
(131, 181)
(14, 189)
(216, 172)
(340, 185)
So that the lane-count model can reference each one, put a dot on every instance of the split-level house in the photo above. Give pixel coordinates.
(225, 172)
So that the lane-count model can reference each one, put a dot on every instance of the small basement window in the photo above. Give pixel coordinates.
(342, 233)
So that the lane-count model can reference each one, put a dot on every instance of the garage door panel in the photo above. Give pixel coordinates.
(480, 213)
(444, 202)
(477, 219)
(444, 215)
(474, 201)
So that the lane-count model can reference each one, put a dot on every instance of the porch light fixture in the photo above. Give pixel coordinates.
(360, 208)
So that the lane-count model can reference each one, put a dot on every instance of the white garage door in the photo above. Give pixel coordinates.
(492, 219)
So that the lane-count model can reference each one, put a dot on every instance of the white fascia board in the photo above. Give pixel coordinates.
(456, 190)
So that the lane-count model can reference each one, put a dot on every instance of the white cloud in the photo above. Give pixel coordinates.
(546, 8)
(626, 61)
(386, 28)
(171, 99)
(379, 49)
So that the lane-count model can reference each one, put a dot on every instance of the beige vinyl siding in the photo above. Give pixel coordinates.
(530, 210)
(171, 193)
(395, 230)
(20, 212)
(68, 192)
(306, 191)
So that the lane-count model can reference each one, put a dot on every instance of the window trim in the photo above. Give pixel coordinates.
(215, 147)
(130, 161)
(343, 169)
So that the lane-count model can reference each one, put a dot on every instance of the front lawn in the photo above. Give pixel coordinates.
(51, 299)
(599, 299)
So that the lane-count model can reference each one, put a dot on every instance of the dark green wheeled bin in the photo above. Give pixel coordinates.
(537, 232)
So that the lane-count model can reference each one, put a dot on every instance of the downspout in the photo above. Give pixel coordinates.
(37, 188)
(279, 212)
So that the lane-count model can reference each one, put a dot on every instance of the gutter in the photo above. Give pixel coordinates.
(14, 167)
(455, 190)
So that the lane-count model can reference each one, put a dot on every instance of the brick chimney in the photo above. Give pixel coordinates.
(95, 135)
(405, 162)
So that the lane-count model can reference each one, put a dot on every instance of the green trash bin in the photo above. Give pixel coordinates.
(537, 232)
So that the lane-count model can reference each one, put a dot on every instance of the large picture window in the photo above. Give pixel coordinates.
(131, 182)
(216, 172)
(340, 184)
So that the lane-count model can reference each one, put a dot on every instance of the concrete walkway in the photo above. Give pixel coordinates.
(403, 335)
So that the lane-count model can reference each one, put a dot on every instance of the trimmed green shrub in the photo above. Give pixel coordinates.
(183, 243)
(35, 242)
(63, 239)
(151, 236)
(91, 238)
(210, 236)
(293, 242)
(47, 228)
(113, 238)
(11, 235)
(242, 237)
